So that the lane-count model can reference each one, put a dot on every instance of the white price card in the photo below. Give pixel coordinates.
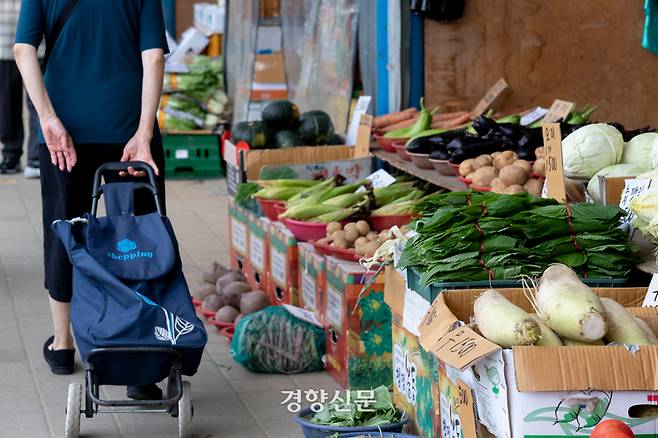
(361, 108)
(334, 307)
(632, 188)
(278, 266)
(651, 298)
(308, 291)
(533, 116)
(415, 308)
(230, 154)
(239, 236)
(379, 179)
(256, 252)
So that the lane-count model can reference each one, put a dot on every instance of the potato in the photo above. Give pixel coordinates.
(515, 188)
(227, 314)
(253, 301)
(534, 186)
(360, 249)
(483, 176)
(333, 226)
(228, 278)
(372, 235)
(539, 152)
(470, 176)
(360, 241)
(466, 167)
(203, 290)
(498, 186)
(351, 235)
(336, 235)
(212, 302)
(513, 175)
(504, 158)
(233, 293)
(212, 274)
(525, 164)
(339, 243)
(363, 228)
(325, 241)
(482, 161)
(495, 154)
(350, 226)
(371, 248)
(539, 167)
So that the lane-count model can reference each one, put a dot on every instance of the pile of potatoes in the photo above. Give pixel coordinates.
(356, 236)
(226, 292)
(504, 172)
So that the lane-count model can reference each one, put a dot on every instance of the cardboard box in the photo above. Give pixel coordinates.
(259, 259)
(546, 391)
(358, 326)
(270, 69)
(311, 281)
(284, 263)
(415, 381)
(238, 237)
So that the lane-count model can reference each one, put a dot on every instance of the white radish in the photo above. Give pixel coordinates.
(568, 306)
(571, 343)
(623, 328)
(647, 330)
(504, 323)
(548, 336)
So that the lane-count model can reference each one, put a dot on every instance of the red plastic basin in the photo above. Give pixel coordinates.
(401, 148)
(387, 143)
(305, 231)
(381, 223)
(270, 208)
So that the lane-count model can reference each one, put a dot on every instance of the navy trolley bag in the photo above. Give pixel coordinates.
(128, 286)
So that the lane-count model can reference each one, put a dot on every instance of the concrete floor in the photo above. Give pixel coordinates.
(228, 400)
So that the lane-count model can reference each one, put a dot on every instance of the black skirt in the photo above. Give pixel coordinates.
(67, 195)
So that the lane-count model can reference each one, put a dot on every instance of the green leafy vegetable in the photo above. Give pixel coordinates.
(352, 410)
(245, 191)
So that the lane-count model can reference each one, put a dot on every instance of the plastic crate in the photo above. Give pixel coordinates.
(192, 156)
(432, 291)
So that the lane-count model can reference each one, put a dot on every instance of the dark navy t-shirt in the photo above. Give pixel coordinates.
(94, 74)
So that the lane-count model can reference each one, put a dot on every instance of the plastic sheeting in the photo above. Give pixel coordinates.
(319, 44)
(240, 54)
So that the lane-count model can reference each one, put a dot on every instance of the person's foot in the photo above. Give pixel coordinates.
(60, 361)
(7, 167)
(32, 171)
(144, 392)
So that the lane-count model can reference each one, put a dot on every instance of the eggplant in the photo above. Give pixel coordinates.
(461, 142)
(483, 125)
(632, 133)
(475, 149)
(440, 155)
(425, 145)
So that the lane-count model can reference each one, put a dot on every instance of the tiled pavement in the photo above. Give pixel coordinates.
(228, 400)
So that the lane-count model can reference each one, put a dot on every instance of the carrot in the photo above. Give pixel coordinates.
(452, 123)
(447, 116)
(402, 124)
(389, 119)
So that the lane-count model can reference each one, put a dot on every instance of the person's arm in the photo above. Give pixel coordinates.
(139, 146)
(58, 140)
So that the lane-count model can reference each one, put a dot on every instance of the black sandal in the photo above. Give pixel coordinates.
(60, 361)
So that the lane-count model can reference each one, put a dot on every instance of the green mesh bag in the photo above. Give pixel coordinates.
(274, 341)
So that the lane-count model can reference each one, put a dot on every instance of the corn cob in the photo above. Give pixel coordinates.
(310, 199)
(287, 182)
(386, 195)
(342, 190)
(346, 200)
(414, 194)
(277, 193)
(314, 189)
(395, 209)
(307, 211)
(335, 216)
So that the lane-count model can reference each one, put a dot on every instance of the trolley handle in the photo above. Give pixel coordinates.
(151, 185)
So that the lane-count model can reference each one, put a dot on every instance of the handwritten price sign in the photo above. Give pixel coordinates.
(651, 298)
(555, 187)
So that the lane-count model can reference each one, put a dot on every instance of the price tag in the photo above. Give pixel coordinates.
(256, 251)
(182, 154)
(278, 266)
(362, 147)
(415, 307)
(239, 236)
(404, 373)
(360, 109)
(651, 299)
(334, 307)
(555, 187)
(308, 291)
(490, 97)
(559, 110)
(230, 154)
(632, 188)
(462, 347)
(533, 116)
(379, 179)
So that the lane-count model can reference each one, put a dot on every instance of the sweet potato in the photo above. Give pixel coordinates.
(253, 301)
(232, 293)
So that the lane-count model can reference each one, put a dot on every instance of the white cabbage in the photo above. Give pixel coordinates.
(614, 170)
(639, 149)
(645, 207)
(591, 148)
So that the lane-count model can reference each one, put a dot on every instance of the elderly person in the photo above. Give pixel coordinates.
(96, 102)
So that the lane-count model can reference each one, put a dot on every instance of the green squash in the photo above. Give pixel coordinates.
(315, 127)
(254, 133)
(287, 139)
(281, 115)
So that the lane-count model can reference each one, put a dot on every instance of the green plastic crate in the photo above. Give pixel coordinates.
(192, 156)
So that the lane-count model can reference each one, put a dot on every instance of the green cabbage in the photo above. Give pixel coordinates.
(645, 208)
(639, 149)
(614, 170)
(591, 148)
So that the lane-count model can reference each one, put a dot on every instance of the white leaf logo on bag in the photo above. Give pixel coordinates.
(176, 326)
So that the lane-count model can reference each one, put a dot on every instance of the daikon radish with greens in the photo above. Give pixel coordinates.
(571, 343)
(504, 323)
(623, 328)
(568, 306)
(647, 330)
(548, 336)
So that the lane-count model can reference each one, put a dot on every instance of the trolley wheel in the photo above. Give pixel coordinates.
(73, 406)
(185, 412)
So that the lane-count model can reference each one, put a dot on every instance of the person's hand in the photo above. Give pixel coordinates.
(138, 148)
(59, 143)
